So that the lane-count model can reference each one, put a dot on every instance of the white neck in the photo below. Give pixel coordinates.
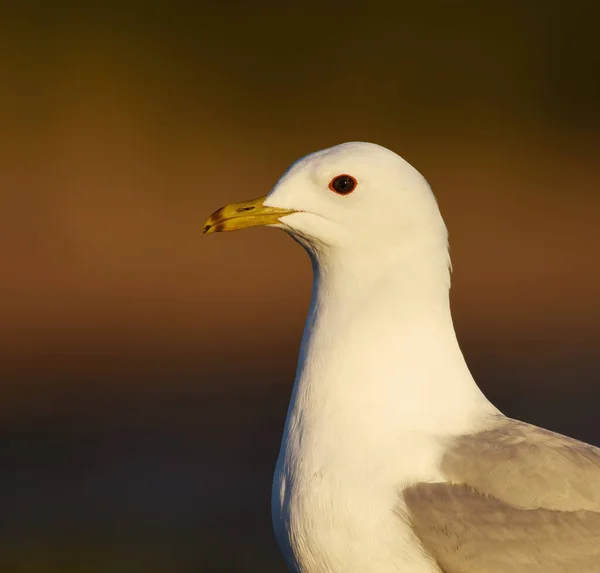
(379, 354)
(381, 383)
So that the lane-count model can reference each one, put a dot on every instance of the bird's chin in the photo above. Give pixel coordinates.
(312, 231)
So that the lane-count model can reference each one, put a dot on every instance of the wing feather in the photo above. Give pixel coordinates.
(526, 466)
(518, 499)
(467, 532)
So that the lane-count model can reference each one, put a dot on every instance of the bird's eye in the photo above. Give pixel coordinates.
(343, 184)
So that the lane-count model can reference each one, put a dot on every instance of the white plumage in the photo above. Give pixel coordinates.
(392, 460)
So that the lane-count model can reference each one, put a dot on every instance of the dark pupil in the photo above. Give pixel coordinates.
(342, 184)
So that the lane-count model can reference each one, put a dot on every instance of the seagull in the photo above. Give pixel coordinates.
(392, 459)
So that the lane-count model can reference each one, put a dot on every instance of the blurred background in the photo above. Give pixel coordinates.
(145, 369)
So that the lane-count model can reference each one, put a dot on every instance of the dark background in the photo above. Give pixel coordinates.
(145, 369)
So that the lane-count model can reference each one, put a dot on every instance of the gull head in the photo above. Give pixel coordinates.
(356, 196)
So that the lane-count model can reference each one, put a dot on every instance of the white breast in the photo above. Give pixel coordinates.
(343, 517)
(380, 379)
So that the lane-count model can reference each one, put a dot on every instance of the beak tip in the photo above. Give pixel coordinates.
(209, 228)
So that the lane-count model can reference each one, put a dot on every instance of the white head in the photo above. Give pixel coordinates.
(355, 198)
(380, 310)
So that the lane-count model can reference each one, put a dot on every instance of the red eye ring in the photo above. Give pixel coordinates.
(343, 184)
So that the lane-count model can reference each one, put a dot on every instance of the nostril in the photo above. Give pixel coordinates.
(242, 209)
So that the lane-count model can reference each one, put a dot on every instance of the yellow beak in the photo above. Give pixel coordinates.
(242, 215)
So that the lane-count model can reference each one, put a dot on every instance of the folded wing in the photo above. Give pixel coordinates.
(519, 499)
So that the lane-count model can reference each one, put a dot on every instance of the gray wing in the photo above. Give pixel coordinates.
(526, 466)
(467, 532)
(518, 499)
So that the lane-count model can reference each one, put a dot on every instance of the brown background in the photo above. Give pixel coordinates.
(145, 369)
